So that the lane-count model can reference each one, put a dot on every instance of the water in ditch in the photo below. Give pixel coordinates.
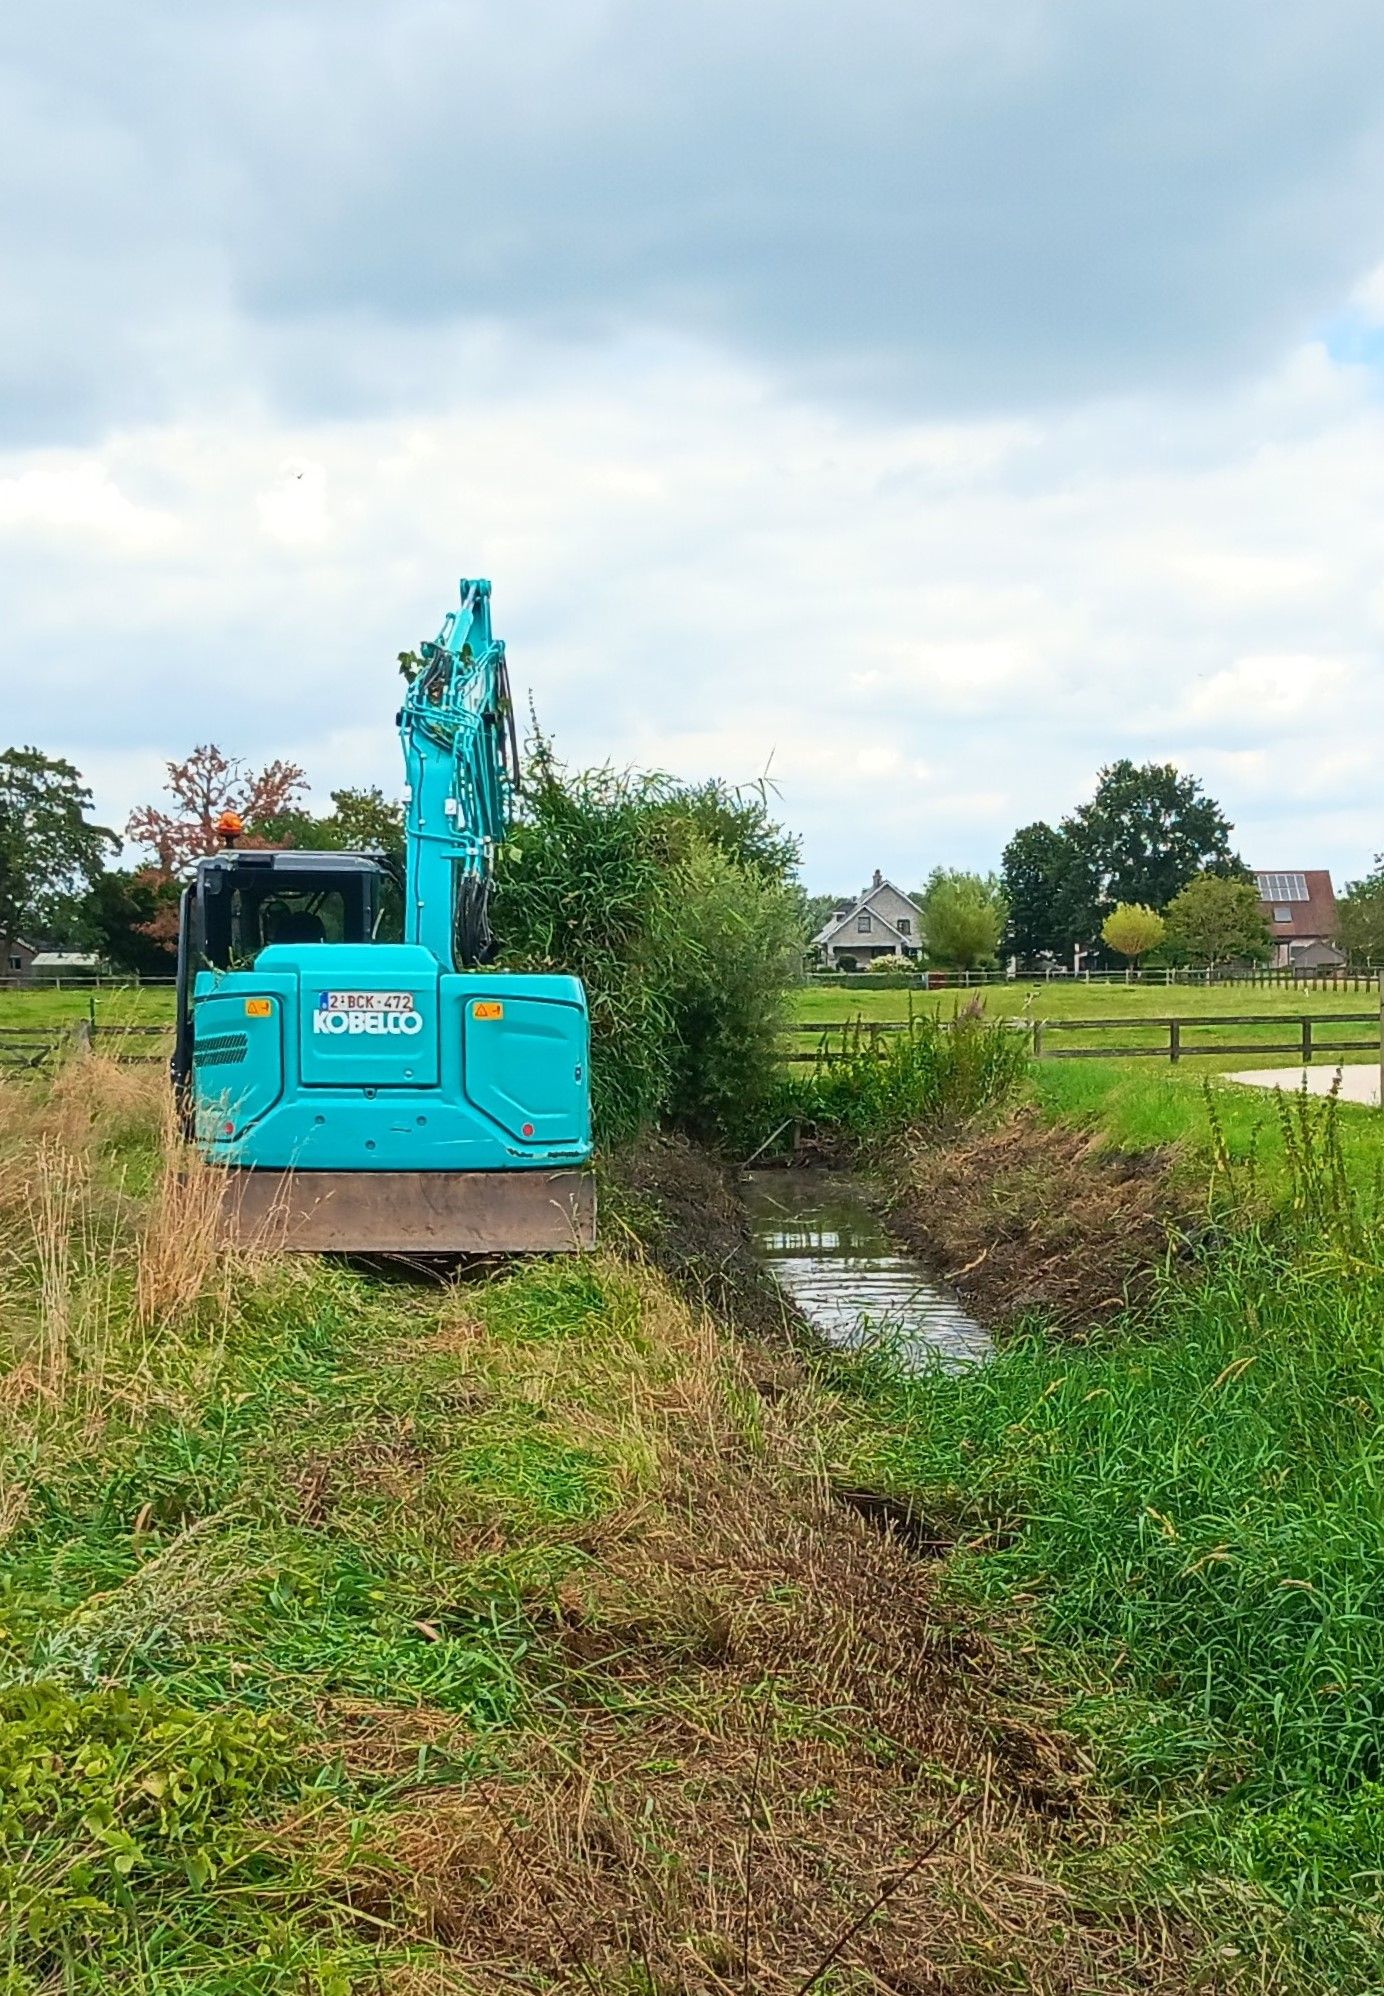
(828, 1252)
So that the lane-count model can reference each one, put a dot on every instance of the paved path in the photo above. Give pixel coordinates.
(1359, 1083)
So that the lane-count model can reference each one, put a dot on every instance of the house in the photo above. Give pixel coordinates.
(881, 921)
(15, 956)
(1300, 909)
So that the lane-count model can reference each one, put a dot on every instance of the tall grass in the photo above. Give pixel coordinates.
(1191, 1509)
(871, 1088)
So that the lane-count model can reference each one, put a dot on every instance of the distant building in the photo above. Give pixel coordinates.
(16, 956)
(63, 963)
(1300, 909)
(881, 921)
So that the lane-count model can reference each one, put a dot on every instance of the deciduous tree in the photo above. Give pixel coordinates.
(1147, 832)
(207, 784)
(1361, 911)
(1132, 930)
(1050, 892)
(359, 821)
(51, 853)
(1215, 920)
(963, 917)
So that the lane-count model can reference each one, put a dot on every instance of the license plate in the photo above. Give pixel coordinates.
(366, 1001)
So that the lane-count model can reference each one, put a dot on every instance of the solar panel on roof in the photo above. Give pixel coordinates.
(1282, 886)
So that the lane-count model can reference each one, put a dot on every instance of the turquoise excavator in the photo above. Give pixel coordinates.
(389, 1097)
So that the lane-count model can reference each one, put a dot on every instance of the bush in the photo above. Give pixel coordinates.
(674, 904)
(870, 1088)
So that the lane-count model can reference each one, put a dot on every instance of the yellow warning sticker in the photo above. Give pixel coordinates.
(259, 1008)
(486, 1008)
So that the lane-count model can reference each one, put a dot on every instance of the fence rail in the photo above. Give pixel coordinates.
(1174, 1047)
(30, 1048)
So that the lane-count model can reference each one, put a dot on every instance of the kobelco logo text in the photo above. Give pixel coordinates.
(392, 1023)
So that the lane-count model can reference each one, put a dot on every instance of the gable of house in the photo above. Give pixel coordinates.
(883, 916)
(15, 955)
(1298, 906)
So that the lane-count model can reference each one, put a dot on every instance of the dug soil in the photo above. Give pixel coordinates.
(1034, 1217)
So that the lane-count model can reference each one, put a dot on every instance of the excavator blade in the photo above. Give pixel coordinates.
(410, 1212)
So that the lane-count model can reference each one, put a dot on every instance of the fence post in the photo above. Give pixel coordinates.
(1174, 1039)
(1307, 1042)
(1038, 1031)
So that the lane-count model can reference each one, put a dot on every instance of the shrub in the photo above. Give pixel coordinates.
(674, 905)
(870, 1087)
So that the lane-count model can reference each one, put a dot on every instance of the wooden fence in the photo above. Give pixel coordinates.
(35, 1047)
(1181, 1038)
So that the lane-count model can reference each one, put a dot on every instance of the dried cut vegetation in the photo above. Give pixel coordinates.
(358, 1636)
(1038, 1217)
(753, 1721)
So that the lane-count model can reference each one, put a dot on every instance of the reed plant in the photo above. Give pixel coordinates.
(869, 1088)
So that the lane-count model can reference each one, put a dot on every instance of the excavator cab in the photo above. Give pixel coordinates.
(240, 902)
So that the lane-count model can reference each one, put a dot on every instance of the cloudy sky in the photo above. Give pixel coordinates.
(924, 403)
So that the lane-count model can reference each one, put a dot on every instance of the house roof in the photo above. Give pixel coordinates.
(847, 913)
(1307, 895)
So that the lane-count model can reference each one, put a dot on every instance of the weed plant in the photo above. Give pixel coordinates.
(870, 1088)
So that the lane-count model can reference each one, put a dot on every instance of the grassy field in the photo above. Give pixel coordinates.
(357, 1635)
(369, 1636)
(111, 1005)
(1069, 1001)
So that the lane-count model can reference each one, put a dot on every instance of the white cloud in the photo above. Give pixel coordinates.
(77, 500)
(698, 573)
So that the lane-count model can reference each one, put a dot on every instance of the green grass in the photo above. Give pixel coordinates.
(314, 1493)
(1206, 1121)
(111, 1005)
(1070, 998)
(1067, 1000)
(1184, 1518)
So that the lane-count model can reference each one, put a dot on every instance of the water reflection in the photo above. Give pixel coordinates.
(833, 1259)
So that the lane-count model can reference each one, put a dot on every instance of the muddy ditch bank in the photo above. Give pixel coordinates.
(1019, 1219)
(1031, 1218)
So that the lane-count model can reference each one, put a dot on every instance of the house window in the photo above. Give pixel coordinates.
(862, 923)
(904, 925)
(1283, 914)
(16, 963)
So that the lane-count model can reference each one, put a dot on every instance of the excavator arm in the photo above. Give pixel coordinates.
(456, 727)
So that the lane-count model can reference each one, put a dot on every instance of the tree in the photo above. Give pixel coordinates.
(132, 920)
(815, 911)
(50, 852)
(1146, 833)
(1049, 890)
(1132, 931)
(963, 916)
(202, 788)
(359, 821)
(1214, 920)
(1361, 911)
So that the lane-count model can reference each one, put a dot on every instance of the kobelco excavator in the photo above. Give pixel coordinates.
(371, 1096)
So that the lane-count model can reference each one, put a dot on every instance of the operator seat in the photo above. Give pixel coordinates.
(298, 926)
